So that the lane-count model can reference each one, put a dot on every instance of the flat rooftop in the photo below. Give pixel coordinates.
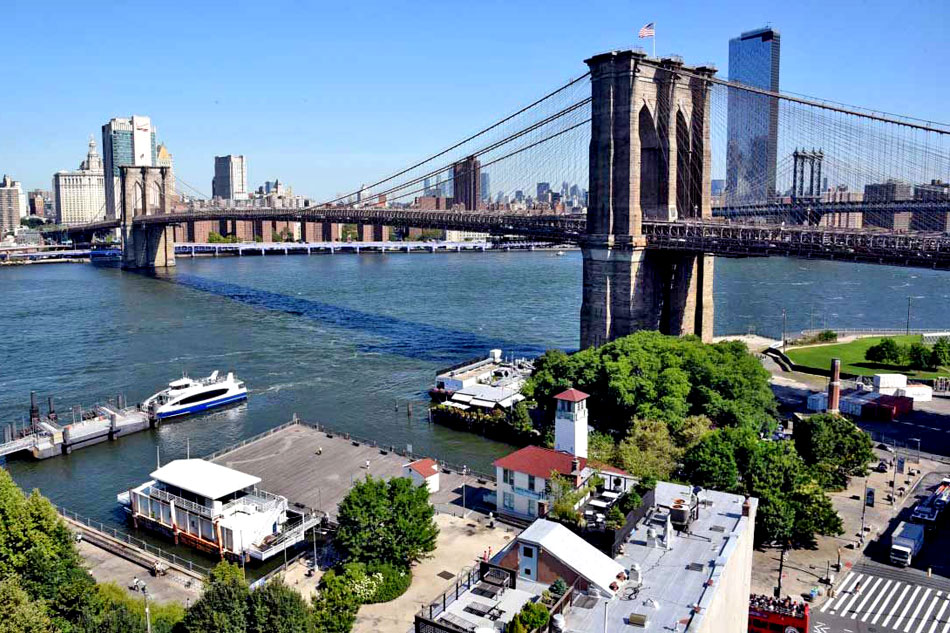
(674, 579)
(316, 468)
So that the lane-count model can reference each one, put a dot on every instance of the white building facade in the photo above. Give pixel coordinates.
(80, 196)
(126, 142)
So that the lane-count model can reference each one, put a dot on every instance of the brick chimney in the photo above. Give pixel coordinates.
(576, 471)
(834, 387)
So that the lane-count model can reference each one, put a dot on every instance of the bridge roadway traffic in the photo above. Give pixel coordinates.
(715, 236)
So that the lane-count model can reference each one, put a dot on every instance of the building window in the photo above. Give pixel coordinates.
(508, 477)
(508, 501)
(531, 482)
(532, 508)
(528, 552)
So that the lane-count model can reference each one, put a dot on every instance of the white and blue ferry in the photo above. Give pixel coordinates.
(188, 395)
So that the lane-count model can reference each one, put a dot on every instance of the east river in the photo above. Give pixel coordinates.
(344, 339)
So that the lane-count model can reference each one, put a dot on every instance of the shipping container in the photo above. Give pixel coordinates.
(916, 392)
(902, 404)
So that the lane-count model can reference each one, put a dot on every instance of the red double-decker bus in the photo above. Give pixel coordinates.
(775, 615)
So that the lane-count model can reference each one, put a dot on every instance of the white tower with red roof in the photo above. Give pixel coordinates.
(570, 423)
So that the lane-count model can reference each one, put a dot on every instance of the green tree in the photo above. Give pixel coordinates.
(940, 354)
(534, 615)
(601, 448)
(887, 352)
(19, 613)
(919, 356)
(651, 376)
(515, 626)
(335, 607)
(648, 451)
(223, 605)
(835, 448)
(711, 463)
(382, 521)
(521, 418)
(276, 608)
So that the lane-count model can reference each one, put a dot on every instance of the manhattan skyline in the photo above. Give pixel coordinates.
(307, 103)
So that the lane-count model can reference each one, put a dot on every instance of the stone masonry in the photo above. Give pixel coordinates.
(649, 158)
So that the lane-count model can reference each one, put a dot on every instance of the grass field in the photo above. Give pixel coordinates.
(852, 357)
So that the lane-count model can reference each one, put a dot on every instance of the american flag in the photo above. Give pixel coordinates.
(647, 30)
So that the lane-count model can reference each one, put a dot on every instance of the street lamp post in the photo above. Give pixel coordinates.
(909, 301)
(916, 439)
(148, 619)
(784, 329)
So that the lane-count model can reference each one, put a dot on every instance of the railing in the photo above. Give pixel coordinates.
(263, 580)
(22, 443)
(260, 500)
(288, 533)
(124, 537)
(184, 504)
(872, 331)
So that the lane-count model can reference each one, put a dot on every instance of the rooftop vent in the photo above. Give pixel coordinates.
(717, 528)
(695, 567)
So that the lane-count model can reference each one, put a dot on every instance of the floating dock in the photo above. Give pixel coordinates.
(48, 436)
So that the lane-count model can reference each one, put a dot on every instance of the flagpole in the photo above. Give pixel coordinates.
(654, 40)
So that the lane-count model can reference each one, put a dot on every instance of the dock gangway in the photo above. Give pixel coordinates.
(289, 537)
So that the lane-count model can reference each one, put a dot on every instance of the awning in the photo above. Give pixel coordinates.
(458, 405)
(476, 402)
(462, 397)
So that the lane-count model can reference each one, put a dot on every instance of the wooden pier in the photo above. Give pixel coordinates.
(315, 467)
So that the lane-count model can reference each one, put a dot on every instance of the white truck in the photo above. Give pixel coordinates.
(906, 541)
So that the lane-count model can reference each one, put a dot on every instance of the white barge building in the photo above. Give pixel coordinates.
(217, 509)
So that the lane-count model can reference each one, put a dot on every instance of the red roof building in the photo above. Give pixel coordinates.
(540, 462)
(423, 472)
(572, 395)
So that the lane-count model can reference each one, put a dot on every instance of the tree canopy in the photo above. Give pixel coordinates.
(386, 521)
(654, 377)
(835, 448)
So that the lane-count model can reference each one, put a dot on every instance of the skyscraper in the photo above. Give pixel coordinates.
(230, 177)
(466, 183)
(81, 195)
(753, 118)
(125, 142)
(11, 205)
(485, 187)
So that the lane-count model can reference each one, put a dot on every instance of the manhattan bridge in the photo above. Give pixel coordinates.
(666, 191)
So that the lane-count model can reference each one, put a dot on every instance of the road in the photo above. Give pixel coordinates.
(877, 597)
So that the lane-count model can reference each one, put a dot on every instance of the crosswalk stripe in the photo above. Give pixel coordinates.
(886, 601)
(873, 606)
(844, 583)
(870, 592)
(910, 603)
(943, 607)
(946, 626)
(845, 593)
(920, 605)
(856, 593)
(926, 616)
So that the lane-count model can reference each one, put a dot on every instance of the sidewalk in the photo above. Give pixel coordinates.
(804, 569)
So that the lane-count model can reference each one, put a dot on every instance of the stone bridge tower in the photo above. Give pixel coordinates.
(649, 160)
(145, 191)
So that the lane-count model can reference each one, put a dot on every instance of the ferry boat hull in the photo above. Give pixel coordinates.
(186, 396)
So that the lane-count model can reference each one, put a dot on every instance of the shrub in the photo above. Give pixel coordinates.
(827, 336)
(393, 582)
(534, 615)
(515, 626)
(558, 587)
(630, 502)
(615, 518)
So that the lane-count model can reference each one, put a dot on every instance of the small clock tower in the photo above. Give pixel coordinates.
(570, 423)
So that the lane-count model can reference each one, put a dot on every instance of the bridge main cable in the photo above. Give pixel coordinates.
(464, 141)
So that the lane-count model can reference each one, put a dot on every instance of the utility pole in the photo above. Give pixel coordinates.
(784, 328)
(909, 301)
(864, 509)
(781, 570)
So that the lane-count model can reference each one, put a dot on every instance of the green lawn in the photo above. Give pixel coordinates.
(852, 357)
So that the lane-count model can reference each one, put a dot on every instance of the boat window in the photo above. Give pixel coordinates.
(199, 397)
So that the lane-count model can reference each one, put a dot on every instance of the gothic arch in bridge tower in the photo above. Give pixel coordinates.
(145, 245)
(684, 188)
(650, 175)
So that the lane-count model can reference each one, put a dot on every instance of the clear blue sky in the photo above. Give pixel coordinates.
(326, 95)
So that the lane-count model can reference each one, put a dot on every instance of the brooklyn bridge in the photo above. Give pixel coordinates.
(666, 190)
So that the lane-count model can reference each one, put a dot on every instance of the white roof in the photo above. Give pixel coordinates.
(202, 478)
(582, 557)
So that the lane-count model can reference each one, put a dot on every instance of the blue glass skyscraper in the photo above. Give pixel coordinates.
(753, 119)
